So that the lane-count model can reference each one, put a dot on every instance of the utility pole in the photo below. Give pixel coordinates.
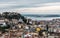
(47, 30)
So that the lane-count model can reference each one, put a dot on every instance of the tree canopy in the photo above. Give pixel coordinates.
(10, 16)
(14, 15)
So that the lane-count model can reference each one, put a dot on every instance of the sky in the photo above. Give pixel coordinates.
(30, 6)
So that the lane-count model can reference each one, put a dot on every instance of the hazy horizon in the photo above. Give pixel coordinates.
(30, 6)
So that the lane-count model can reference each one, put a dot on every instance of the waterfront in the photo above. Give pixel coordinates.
(41, 16)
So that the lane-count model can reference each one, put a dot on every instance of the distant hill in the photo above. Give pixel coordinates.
(34, 15)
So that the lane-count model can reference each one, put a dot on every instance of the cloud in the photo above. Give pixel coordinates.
(39, 9)
(6, 5)
(44, 8)
(52, 7)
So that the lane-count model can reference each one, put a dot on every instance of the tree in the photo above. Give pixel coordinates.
(10, 16)
(5, 14)
(13, 15)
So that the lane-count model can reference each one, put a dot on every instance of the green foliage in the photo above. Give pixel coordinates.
(10, 16)
(13, 15)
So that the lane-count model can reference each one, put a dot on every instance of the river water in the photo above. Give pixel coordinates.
(41, 17)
